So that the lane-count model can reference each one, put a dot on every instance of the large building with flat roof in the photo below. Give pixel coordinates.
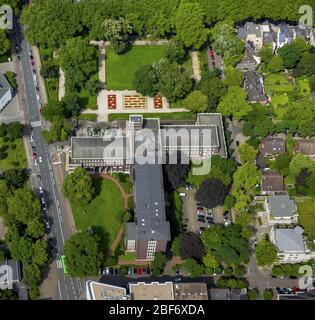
(140, 147)
(148, 291)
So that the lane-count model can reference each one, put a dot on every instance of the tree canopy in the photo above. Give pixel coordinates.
(266, 253)
(234, 103)
(83, 254)
(196, 102)
(211, 193)
(78, 186)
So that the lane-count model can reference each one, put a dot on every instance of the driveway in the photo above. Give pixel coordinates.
(189, 211)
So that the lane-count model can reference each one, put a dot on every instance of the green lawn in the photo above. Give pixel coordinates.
(16, 156)
(277, 83)
(162, 116)
(87, 116)
(129, 256)
(305, 87)
(124, 180)
(307, 216)
(120, 69)
(52, 88)
(279, 99)
(87, 101)
(104, 212)
(5, 57)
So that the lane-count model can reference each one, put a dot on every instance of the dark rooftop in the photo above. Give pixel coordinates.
(272, 182)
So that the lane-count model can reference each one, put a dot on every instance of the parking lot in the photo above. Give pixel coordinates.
(131, 271)
(196, 218)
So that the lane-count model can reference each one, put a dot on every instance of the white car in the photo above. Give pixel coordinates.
(37, 97)
(43, 200)
(40, 190)
(32, 139)
(227, 222)
(40, 159)
(35, 162)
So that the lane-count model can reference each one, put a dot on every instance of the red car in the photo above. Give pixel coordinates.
(139, 271)
(199, 208)
(32, 63)
(34, 155)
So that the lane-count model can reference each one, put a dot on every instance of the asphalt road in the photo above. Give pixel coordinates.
(68, 288)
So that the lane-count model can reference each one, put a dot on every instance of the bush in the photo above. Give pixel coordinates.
(6, 139)
(158, 263)
(3, 155)
(253, 294)
(3, 129)
(239, 271)
(123, 271)
(15, 163)
(268, 294)
(34, 293)
(13, 146)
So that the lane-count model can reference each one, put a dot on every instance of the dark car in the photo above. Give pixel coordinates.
(31, 57)
(34, 71)
(111, 271)
(134, 270)
(201, 216)
(200, 208)
(144, 270)
(148, 271)
(32, 63)
(116, 271)
(209, 218)
(33, 148)
(202, 220)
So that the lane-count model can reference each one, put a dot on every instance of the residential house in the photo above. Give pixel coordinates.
(249, 61)
(291, 245)
(272, 182)
(270, 147)
(285, 35)
(306, 147)
(254, 86)
(5, 92)
(280, 209)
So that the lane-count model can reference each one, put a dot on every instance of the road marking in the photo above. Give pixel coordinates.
(59, 290)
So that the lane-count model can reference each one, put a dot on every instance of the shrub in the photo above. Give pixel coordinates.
(13, 146)
(253, 294)
(5, 139)
(268, 294)
(34, 293)
(3, 155)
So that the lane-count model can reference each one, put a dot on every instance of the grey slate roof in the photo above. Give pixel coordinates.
(4, 85)
(151, 221)
(281, 206)
(192, 135)
(253, 83)
(94, 147)
(290, 240)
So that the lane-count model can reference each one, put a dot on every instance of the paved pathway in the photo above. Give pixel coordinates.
(196, 65)
(61, 91)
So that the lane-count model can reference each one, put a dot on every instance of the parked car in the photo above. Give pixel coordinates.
(139, 271)
(148, 271)
(47, 226)
(35, 162)
(40, 190)
(43, 200)
(116, 271)
(129, 271)
(33, 148)
(34, 71)
(200, 208)
(135, 270)
(40, 159)
(107, 271)
(201, 216)
(201, 220)
(32, 63)
(202, 229)
(34, 155)
(227, 222)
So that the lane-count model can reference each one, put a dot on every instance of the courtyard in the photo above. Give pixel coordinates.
(120, 68)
